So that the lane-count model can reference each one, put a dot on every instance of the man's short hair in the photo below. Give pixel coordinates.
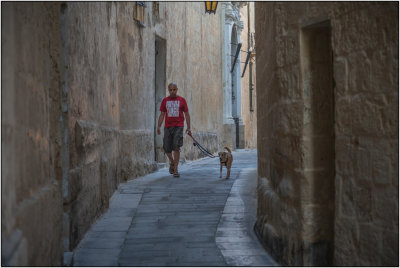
(173, 84)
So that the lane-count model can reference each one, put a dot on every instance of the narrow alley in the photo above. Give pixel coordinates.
(198, 219)
(97, 98)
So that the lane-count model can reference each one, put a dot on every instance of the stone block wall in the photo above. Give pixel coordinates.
(328, 155)
(194, 63)
(249, 92)
(110, 103)
(366, 145)
(79, 110)
(91, 113)
(31, 107)
(208, 140)
(110, 78)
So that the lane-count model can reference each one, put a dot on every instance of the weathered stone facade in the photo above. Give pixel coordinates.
(327, 98)
(249, 106)
(111, 73)
(194, 63)
(31, 194)
(82, 83)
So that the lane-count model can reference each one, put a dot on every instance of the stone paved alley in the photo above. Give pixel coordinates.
(195, 220)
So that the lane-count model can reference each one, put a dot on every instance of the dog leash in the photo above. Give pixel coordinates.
(201, 148)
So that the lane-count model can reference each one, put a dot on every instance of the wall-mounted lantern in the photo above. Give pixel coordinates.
(211, 6)
(139, 16)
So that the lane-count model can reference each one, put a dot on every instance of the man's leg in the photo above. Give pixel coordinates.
(176, 162)
(171, 160)
(177, 144)
(171, 163)
(167, 145)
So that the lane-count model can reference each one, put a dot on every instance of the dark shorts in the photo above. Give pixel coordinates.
(173, 139)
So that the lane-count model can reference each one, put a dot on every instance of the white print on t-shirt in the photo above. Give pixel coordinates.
(173, 108)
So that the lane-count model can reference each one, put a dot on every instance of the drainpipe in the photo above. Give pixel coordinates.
(248, 26)
(250, 64)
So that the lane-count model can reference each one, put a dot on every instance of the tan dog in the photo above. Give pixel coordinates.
(225, 159)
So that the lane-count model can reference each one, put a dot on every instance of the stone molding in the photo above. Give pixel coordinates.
(232, 14)
(240, 26)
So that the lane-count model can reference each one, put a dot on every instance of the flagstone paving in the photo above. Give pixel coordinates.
(197, 219)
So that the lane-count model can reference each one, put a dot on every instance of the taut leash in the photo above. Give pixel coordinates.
(201, 148)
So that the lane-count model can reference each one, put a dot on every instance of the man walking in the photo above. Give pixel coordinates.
(173, 108)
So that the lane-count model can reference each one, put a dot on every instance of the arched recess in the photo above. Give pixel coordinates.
(233, 130)
(234, 84)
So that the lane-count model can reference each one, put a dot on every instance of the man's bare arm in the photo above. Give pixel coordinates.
(160, 121)
(187, 117)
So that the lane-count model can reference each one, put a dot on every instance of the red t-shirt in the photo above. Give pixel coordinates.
(174, 109)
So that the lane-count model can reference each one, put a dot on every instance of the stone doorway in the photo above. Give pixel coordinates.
(236, 94)
(160, 60)
(318, 142)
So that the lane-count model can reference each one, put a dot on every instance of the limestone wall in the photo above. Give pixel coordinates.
(194, 63)
(79, 109)
(366, 145)
(96, 91)
(328, 155)
(111, 93)
(92, 93)
(249, 110)
(31, 106)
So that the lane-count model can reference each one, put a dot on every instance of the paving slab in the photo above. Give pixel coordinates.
(198, 219)
(104, 235)
(240, 260)
(120, 224)
(96, 257)
(235, 236)
(102, 243)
